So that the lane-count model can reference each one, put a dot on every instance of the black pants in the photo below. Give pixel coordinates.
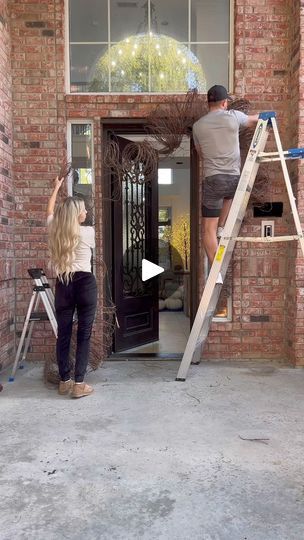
(80, 294)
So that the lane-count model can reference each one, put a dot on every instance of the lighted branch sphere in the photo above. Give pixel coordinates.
(173, 67)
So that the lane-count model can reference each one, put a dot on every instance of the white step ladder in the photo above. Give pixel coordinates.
(209, 300)
(41, 292)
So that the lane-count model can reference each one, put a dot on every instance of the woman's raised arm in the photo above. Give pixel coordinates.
(53, 197)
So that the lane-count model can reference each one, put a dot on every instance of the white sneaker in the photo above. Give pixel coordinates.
(219, 232)
(219, 279)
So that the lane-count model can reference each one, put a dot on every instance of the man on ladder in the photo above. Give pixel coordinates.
(216, 138)
(222, 257)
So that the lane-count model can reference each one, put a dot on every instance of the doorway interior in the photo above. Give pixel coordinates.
(173, 234)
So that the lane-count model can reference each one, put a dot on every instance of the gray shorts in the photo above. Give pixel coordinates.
(216, 188)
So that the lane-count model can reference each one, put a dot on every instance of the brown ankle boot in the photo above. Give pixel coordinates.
(65, 387)
(81, 390)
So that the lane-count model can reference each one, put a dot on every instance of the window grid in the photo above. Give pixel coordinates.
(188, 44)
(80, 128)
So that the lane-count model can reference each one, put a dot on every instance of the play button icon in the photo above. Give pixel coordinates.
(149, 270)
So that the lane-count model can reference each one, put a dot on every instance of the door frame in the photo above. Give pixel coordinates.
(138, 126)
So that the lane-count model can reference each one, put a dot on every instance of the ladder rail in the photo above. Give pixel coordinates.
(47, 305)
(288, 185)
(29, 334)
(48, 289)
(23, 334)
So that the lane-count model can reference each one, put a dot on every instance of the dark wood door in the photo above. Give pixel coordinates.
(135, 237)
(194, 228)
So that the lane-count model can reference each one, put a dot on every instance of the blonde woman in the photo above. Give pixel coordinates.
(70, 248)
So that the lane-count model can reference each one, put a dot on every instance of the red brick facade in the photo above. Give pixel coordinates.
(7, 283)
(267, 281)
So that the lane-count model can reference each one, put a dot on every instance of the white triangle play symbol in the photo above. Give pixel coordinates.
(149, 270)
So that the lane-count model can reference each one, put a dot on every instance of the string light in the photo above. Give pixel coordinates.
(172, 65)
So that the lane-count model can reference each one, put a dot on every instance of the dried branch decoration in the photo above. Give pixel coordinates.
(169, 122)
(167, 125)
(137, 161)
(65, 169)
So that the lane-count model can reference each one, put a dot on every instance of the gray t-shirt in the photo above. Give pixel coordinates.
(217, 135)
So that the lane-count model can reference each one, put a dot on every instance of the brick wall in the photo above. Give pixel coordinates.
(260, 271)
(39, 138)
(295, 289)
(6, 194)
(264, 40)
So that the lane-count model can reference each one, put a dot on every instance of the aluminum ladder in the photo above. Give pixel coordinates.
(42, 292)
(212, 290)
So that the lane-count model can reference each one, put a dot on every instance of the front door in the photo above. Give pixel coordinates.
(135, 229)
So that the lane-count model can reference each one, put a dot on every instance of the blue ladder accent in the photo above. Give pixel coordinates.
(295, 153)
(267, 115)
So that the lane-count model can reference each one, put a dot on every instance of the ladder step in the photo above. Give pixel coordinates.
(39, 316)
(291, 153)
(267, 239)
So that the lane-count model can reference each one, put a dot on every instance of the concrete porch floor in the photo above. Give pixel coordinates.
(218, 457)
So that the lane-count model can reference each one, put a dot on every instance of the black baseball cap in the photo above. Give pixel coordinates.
(217, 93)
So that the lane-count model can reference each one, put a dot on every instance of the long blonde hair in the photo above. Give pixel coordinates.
(64, 234)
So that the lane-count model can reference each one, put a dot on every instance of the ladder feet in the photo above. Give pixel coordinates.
(180, 379)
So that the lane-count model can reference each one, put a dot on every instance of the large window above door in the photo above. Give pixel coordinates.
(148, 46)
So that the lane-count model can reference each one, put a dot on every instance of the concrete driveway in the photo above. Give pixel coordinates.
(218, 457)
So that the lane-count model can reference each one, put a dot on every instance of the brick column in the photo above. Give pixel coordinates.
(295, 291)
(259, 270)
(6, 194)
(39, 138)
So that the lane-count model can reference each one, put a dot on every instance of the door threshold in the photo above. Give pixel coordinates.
(143, 356)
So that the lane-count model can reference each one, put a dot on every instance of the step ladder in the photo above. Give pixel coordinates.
(42, 292)
(212, 290)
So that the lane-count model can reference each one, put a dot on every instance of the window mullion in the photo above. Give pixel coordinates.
(149, 45)
(109, 46)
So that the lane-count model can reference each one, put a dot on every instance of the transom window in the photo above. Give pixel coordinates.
(80, 150)
(158, 46)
